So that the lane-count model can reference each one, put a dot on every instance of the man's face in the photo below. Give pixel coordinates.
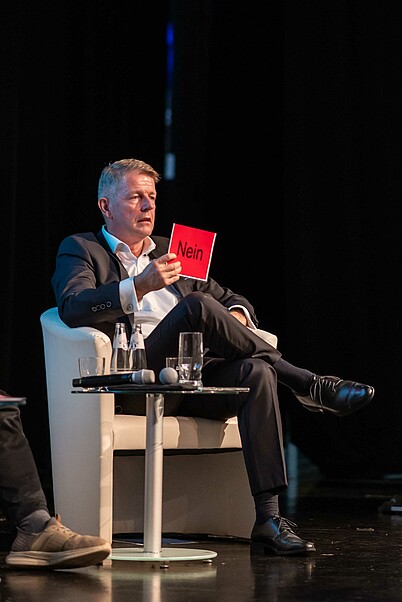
(130, 212)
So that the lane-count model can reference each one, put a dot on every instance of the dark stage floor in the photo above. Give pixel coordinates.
(358, 557)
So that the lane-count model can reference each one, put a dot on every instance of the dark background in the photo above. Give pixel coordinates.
(286, 130)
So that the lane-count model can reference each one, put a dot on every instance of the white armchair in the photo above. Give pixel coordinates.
(98, 457)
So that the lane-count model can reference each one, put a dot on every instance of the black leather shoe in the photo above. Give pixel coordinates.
(336, 396)
(275, 536)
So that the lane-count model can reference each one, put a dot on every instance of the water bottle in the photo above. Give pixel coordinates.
(138, 358)
(120, 355)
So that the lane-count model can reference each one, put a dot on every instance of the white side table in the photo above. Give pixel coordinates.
(153, 550)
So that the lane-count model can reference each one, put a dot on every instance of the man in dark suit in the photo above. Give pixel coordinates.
(122, 273)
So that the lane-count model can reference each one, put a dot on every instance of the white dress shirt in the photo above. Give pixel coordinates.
(154, 306)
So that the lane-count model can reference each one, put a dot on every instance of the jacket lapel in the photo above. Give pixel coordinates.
(119, 266)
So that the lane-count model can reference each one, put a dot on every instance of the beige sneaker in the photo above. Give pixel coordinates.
(57, 547)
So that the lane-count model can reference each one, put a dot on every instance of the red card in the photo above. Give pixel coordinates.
(193, 248)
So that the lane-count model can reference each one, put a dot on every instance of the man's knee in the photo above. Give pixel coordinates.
(198, 303)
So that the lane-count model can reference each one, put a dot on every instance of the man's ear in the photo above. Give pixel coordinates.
(103, 204)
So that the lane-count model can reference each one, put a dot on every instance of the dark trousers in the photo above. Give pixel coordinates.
(245, 360)
(21, 491)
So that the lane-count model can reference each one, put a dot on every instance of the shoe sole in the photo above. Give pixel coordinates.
(70, 559)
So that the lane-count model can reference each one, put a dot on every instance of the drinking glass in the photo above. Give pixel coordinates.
(182, 369)
(91, 366)
(190, 346)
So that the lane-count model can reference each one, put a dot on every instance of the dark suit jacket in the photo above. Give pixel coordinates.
(86, 283)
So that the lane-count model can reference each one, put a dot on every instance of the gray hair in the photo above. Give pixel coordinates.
(113, 173)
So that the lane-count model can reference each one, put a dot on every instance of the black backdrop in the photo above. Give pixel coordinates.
(286, 132)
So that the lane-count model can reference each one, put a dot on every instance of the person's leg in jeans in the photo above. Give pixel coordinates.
(21, 491)
(41, 541)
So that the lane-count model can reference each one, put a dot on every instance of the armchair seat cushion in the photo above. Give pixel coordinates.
(179, 432)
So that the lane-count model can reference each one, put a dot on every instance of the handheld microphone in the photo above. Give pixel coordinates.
(168, 376)
(140, 377)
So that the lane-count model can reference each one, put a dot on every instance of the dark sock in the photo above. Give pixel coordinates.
(297, 379)
(266, 505)
(35, 522)
(28, 530)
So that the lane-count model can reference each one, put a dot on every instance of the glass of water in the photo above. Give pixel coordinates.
(91, 366)
(190, 358)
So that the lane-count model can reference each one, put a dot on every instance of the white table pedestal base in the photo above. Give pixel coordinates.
(164, 554)
(152, 550)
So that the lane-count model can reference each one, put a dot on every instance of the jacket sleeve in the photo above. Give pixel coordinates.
(86, 282)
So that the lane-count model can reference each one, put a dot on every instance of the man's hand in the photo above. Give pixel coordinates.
(158, 274)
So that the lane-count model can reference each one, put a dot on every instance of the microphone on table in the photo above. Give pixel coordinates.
(139, 377)
(168, 376)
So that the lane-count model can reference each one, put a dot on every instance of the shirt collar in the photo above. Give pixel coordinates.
(116, 244)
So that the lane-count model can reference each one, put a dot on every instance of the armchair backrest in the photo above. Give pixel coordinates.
(74, 419)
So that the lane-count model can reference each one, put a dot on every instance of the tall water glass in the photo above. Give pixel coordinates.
(190, 346)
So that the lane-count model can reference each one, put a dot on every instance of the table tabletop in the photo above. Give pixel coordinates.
(174, 389)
